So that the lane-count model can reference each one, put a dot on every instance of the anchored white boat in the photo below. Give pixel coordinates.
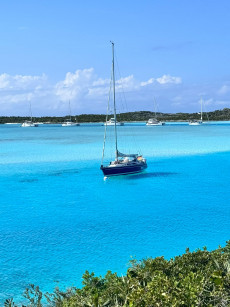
(154, 121)
(68, 122)
(111, 122)
(197, 122)
(29, 123)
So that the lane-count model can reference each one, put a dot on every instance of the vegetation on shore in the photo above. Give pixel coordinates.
(199, 278)
(129, 116)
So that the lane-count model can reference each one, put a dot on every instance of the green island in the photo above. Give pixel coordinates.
(217, 115)
(198, 278)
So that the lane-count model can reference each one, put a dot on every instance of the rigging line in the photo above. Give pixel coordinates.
(123, 92)
(125, 108)
(205, 110)
(69, 111)
(156, 107)
(114, 100)
(31, 116)
(106, 119)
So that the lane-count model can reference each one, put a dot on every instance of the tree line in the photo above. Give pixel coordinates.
(216, 115)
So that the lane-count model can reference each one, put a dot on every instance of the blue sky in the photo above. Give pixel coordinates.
(55, 51)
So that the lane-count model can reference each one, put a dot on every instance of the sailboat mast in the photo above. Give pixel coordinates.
(69, 111)
(114, 102)
(201, 109)
(155, 107)
(30, 112)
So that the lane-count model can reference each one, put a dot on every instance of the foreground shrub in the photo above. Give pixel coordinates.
(199, 278)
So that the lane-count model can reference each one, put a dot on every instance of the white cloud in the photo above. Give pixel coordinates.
(96, 92)
(75, 85)
(166, 79)
(150, 81)
(18, 89)
(4, 81)
(21, 82)
(127, 83)
(84, 84)
(101, 82)
(88, 94)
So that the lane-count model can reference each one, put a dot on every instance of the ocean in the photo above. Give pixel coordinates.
(59, 217)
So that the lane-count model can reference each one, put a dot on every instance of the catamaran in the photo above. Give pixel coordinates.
(197, 122)
(123, 164)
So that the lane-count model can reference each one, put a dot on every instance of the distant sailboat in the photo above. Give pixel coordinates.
(154, 121)
(111, 122)
(68, 122)
(124, 163)
(29, 123)
(198, 122)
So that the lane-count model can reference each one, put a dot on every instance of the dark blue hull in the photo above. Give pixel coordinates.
(123, 169)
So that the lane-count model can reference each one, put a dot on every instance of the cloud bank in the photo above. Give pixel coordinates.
(88, 93)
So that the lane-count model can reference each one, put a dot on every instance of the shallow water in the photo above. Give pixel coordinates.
(59, 217)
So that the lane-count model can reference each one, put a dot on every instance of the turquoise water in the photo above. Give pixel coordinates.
(59, 217)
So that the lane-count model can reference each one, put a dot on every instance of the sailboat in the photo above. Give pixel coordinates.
(29, 123)
(123, 164)
(197, 122)
(154, 121)
(68, 122)
(111, 122)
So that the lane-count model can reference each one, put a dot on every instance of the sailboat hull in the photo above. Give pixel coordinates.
(70, 124)
(157, 124)
(30, 124)
(195, 123)
(120, 169)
